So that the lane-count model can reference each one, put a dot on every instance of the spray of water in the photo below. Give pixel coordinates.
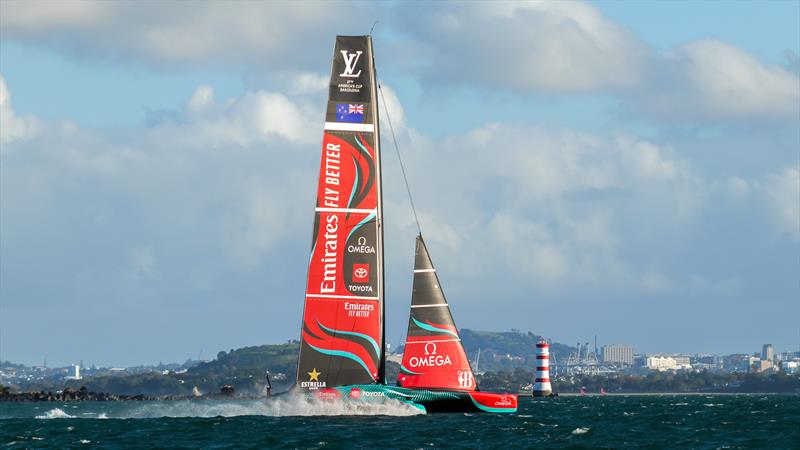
(55, 413)
(285, 405)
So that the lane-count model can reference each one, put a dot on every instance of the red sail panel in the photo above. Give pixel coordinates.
(342, 330)
(433, 356)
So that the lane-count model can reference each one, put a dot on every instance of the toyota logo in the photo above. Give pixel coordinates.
(360, 272)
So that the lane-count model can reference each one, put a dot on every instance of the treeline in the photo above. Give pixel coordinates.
(507, 350)
(655, 382)
(244, 369)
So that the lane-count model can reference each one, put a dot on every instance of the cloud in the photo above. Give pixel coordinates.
(12, 126)
(529, 46)
(499, 47)
(207, 205)
(782, 190)
(190, 33)
(712, 79)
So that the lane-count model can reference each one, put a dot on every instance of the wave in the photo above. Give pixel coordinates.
(55, 413)
(581, 430)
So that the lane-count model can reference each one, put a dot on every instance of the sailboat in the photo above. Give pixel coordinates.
(342, 350)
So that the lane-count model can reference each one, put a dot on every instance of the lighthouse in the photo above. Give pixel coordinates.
(541, 387)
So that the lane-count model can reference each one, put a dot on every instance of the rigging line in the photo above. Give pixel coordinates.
(397, 150)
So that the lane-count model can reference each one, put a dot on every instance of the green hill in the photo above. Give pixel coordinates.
(246, 368)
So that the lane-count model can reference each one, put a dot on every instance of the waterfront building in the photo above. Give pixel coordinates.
(617, 354)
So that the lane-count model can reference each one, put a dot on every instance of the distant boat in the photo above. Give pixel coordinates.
(342, 350)
(526, 390)
(583, 392)
(602, 391)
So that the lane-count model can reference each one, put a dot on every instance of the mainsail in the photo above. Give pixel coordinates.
(433, 355)
(343, 327)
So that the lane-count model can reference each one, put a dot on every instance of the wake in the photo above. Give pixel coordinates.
(283, 406)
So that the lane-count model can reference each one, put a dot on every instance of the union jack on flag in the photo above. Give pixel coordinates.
(350, 113)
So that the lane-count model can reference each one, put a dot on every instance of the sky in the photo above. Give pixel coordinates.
(623, 169)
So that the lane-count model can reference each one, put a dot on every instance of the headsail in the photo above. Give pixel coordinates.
(343, 326)
(433, 355)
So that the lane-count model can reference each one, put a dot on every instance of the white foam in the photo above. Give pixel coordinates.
(285, 405)
(55, 413)
(102, 416)
(581, 430)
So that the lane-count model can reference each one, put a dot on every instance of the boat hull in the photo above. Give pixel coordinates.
(428, 400)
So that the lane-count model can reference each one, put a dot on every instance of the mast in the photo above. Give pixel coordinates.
(382, 286)
(342, 333)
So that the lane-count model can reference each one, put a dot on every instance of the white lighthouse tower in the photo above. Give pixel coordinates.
(541, 386)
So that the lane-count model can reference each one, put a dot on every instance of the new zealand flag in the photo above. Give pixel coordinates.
(346, 112)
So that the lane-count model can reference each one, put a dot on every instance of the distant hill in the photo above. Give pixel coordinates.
(507, 350)
(246, 368)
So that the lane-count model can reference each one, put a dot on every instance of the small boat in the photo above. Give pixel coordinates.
(342, 347)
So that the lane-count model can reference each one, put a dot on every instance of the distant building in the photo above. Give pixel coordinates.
(617, 354)
(767, 352)
(761, 365)
(76, 373)
(682, 360)
(662, 363)
(790, 367)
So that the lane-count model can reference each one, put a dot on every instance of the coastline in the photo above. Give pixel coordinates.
(657, 394)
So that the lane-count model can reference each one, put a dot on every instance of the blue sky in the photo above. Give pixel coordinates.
(625, 169)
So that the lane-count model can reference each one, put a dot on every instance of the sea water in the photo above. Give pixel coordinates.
(658, 421)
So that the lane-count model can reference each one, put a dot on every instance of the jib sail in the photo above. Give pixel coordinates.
(433, 355)
(343, 327)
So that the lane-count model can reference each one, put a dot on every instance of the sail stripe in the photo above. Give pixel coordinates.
(433, 340)
(428, 306)
(433, 329)
(343, 354)
(355, 183)
(356, 127)
(346, 297)
(406, 370)
(353, 333)
(424, 270)
(347, 210)
(363, 221)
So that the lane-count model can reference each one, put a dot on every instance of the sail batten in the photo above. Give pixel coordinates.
(342, 334)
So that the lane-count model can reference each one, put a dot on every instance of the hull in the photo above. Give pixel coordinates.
(428, 400)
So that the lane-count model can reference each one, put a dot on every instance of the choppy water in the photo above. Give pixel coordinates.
(745, 421)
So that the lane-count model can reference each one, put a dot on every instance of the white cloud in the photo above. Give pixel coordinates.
(542, 47)
(782, 190)
(549, 46)
(12, 126)
(713, 79)
(183, 32)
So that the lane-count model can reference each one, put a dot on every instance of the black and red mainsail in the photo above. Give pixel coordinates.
(433, 355)
(342, 339)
